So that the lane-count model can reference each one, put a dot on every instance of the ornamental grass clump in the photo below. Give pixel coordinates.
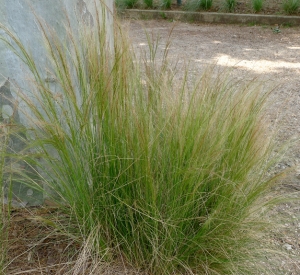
(165, 4)
(230, 5)
(195, 5)
(206, 4)
(290, 6)
(148, 3)
(123, 4)
(257, 5)
(170, 178)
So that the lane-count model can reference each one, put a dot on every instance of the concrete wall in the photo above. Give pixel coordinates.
(20, 16)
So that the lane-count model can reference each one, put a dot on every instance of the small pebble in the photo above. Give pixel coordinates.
(287, 246)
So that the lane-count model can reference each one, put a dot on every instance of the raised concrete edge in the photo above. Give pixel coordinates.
(211, 17)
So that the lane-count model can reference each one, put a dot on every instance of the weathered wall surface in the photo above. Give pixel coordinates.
(20, 16)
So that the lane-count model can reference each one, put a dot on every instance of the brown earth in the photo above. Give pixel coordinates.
(248, 52)
(35, 247)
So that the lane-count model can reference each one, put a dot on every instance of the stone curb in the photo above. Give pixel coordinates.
(211, 17)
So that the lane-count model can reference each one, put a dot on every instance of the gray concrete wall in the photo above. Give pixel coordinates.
(20, 16)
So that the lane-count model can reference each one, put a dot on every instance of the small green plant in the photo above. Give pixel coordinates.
(195, 5)
(287, 25)
(290, 6)
(163, 15)
(276, 29)
(166, 4)
(123, 4)
(206, 4)
(251, 24)
(257, 5)
(192, 5)
(148, 3)
(230, 5)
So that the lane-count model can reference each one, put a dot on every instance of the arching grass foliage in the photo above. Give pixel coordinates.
(170, 176)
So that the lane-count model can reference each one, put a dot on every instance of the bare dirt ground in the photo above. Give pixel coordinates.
(247, 52)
